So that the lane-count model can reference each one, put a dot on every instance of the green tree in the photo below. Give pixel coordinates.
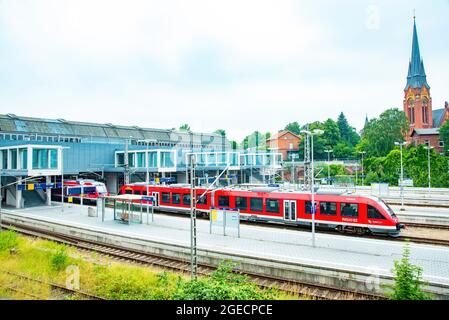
(331, 132)
(347, 133)
(407, 279)
(444, 136)
(293, 127)
(220, 132)
(184, 127)
(256, 140)
(380, 134)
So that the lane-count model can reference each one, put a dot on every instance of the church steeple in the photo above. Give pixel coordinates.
(416, 77)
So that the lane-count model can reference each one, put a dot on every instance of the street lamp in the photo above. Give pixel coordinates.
(147, 179)
(328, 151)
(428, 147)
(363, 180)
(311, 134)
(401, 144)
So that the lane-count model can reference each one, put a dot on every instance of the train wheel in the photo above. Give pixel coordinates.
(360, 231)
(340, 229)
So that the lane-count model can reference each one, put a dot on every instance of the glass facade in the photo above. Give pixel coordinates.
(23, 158)
(4, 159)
(167, 159)
(45, 159)
(53, 159)
(141, 163)
(152, 159)
(120, 159)
(13, 156)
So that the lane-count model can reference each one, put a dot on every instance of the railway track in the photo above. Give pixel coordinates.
(55, 287)
(123, 254)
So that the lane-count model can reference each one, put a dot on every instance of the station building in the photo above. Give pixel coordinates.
(43, 150)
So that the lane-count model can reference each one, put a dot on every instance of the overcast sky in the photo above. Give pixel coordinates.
(240, 65)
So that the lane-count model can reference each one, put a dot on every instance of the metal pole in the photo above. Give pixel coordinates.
(193, 252)
(363, 172)
(62, 180)
(313, 196)
(428, 161)
(402, 182)
(148, 178)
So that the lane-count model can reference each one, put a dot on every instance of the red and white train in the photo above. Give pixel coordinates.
(342, 212)
(77, 185)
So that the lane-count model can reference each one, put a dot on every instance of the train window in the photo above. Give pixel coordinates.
(308, 207)
(349, 210)
(256, 204)
(176, 198)
(201, 200)
(186, 199)
(273, 205)
(128, 191)
(328, 208)
(241, 203)
(223, 201)
(165, 197)
(138, 192)
(373, 213)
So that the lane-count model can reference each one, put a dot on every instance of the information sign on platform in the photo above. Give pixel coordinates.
(225, 218)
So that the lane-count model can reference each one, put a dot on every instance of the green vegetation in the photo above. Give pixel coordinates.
(103, 277)
(407, 280)
(8, 240)
(444, 135)
(223, 284)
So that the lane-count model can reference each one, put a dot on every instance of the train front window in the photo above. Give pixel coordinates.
(273, 205)
(373, 213)
(165, 197)
(256, 204)
(328, 208)
(128, 191)
(176, 198)
(387, 208)
(241, 203)
(349, 210)
(223, 201)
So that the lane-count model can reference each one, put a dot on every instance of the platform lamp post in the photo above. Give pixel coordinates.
(311, 134)
(147, 165)
(62, 178)
(401, 144)
(428, 147)
(328, 151)
(363, 171)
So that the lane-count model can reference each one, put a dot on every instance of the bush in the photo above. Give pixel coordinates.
(222, 284)
(59, 260)
(407, 280)
(8, 240)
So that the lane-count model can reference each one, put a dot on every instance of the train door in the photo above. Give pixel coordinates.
(290, 210)
(156, 199)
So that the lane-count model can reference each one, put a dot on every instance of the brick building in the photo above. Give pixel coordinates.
(424, 122)
(285, 142)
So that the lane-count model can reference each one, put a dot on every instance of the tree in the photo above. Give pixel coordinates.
(444, 136)
(220, 132)
(256, 140)
(331, 132)
(293, 127)
(347, 133)
(407, 280)
(380, 134)
(184, 127)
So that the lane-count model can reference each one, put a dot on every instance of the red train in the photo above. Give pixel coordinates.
(342, 212)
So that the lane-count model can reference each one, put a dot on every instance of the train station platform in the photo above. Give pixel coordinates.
(341, 257)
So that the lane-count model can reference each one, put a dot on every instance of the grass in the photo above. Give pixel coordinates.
(101, 276)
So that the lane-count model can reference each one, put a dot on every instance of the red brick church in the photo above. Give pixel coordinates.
(424, 122)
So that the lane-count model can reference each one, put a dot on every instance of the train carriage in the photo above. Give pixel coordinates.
(342, 212)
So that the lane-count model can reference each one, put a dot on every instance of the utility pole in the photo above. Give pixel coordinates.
(428, 147)
(126, 162)
(363, 178)
(401, 144)
(307, 164)
(328, 151)
(193, 230)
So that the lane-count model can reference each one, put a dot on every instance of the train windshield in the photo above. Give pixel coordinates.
(387, 208)
(102, 189)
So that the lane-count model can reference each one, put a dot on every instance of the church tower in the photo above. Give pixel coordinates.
(417, 99)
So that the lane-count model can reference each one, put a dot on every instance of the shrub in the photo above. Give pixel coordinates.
(8, 240)
(222, 284)
(59, 260)
(407, 280)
